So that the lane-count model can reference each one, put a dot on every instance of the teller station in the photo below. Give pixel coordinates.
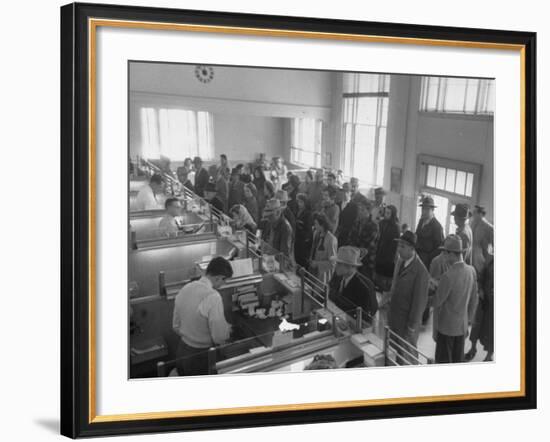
(282, 317)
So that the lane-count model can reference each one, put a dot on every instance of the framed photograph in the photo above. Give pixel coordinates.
(273, 220)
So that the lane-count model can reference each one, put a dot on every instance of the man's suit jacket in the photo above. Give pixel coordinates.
(429, 238)
(357, 293)
(409, 297)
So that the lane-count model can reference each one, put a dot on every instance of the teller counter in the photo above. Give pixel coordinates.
(145, 265)
(151, 317)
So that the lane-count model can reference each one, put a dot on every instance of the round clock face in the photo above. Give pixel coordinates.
(204, 74)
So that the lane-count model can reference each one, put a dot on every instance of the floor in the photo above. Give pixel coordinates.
(426, 344)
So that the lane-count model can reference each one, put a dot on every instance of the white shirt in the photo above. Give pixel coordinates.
(198, 315)
(146, 199)
(168, 225)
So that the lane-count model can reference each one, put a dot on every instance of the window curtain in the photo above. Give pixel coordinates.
(177, 134)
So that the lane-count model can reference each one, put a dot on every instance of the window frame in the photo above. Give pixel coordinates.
(380, 95)
(440, 102)
(319, 129)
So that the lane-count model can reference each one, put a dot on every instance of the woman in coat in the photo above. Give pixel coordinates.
(264, 189)
(324, 249)
(250, 201)
(386, 248)
(304, 233)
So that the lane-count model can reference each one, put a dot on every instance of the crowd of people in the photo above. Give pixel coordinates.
(357, 246)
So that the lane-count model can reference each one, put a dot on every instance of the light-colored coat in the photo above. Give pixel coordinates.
(455, 300)
(321, 262)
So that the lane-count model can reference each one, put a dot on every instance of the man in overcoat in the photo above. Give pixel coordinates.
(410, 291)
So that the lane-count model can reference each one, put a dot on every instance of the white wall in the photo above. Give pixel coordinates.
(242, 137)
(249, 105)
(284, 86)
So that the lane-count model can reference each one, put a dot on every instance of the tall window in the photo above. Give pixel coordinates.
(457, 95)
(305, 142)
(176, 133)
(365, 102)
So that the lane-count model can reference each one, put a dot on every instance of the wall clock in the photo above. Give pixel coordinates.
(204, 74)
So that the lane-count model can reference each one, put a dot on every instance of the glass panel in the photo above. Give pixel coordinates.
(348, 150)
(364, 152)
(490, 97)
(471, 95)
(384, 116)
(430, 178)
(454, 94)
(381, 156)
(149, 133)
(433, 86)
(349, 115)
(440, 180)
(361, 83)
(460, 182)
(450, 182)
(469, 184)
(367, 108)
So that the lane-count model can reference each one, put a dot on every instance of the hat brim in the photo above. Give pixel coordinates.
(355, 264)
(453, 213)
(405, 241)
(446, 249)
(433, 206)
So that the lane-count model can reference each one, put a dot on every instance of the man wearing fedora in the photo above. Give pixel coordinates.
(429, 234)
(410, 290)
(348, 288)
(461, 213)
(276, 229)
(454, 303)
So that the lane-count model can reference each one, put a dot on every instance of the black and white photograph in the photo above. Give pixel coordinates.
(286, 220)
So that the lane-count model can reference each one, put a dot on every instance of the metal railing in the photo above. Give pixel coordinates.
(399, 351)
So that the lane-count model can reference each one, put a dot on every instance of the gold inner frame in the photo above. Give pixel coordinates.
(93, 24)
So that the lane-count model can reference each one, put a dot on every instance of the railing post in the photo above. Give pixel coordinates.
(334, 328)
(162, 283)
(161, 369)
(212, 360)
(386, 344)
(358, 318)
(133, 241)
(303, 295)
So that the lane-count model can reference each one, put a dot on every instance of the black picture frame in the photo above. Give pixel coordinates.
(75, 220)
